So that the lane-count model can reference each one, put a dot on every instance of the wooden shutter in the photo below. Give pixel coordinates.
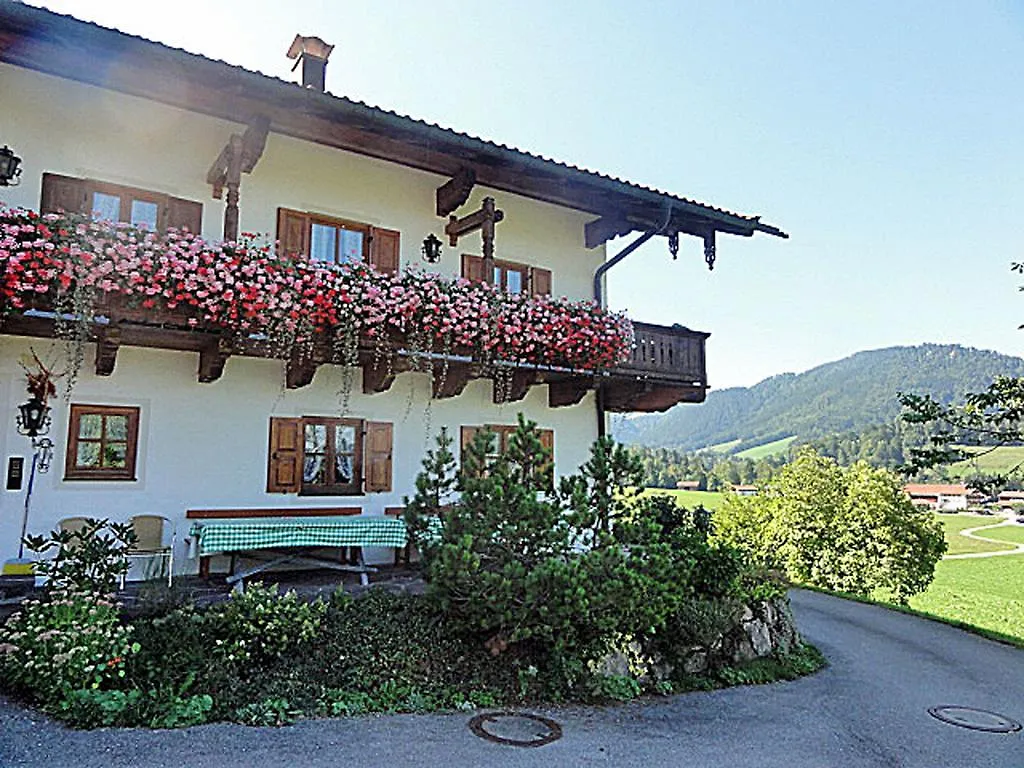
(284, 459)
(540, 281)
(292, 233)
(473, 267)
(547, 439)
(384, 249)
(62, 193)
(466, 435)
(184, 214)
(377, 455)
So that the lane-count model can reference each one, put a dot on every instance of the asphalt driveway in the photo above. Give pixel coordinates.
(869, 708)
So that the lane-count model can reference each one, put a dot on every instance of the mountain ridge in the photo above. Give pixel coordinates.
(838, 396)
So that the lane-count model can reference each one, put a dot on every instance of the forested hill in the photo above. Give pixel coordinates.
(846, 395)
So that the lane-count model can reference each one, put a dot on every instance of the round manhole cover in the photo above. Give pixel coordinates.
(975, 719)
(517, 729)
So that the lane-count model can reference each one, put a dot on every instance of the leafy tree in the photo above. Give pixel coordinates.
(848, 529)
(991, 418)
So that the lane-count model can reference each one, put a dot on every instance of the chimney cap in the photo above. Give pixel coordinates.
(310, 46)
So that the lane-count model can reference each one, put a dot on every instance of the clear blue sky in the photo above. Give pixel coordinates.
(886, 138)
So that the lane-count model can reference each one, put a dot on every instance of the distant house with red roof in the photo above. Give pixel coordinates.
(941, 498)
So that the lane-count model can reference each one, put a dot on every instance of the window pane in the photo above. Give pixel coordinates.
(115, 455)
(343, 468)
(90, 426)
(321, 243)
(497, 276)
(316, 438)
(351, 245)
(117, 427)
(344, 439)
(313, 470)
(106, 207)
(144, 214)
(88, 456)
(515, 281)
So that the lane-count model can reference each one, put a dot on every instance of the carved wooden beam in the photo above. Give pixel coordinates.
(299, 372)
(452, 382)
(107, 345)
(254, 141)
(212, 360)
(379, 376)
(455, 192)
(515, 389)
(239, 156)
(567, 392)
(600, 231)
(484, 220)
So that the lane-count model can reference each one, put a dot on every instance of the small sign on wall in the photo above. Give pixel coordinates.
(15, 472)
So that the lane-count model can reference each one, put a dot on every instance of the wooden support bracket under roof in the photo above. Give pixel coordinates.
(378, 376)
(212, 359)
(567, 392)
(455, 192)
(108, 342)
(450, 382)
(516, 386)
(299, 372)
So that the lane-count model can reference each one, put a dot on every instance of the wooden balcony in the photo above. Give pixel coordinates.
(667, 366)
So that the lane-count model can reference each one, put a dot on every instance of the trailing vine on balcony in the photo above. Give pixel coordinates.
(80, 269)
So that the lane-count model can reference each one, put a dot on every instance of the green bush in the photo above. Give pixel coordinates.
(852, 530)
(556, 575)
(63, 642)
(92, 559)
(259, 624)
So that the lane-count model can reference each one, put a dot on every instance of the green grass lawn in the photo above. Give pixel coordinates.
(710, 499)
(768, 449)
(961, 545)
(999, 461)
(1012, 533)
(984, 592)
(721, 447)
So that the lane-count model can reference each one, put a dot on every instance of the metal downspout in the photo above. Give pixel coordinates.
(599, 298)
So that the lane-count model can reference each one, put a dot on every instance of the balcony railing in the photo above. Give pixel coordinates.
(675, 354)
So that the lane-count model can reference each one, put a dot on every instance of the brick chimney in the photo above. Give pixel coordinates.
(313, 53)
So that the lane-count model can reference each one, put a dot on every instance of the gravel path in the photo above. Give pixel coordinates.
(971, 533)
(868, 709)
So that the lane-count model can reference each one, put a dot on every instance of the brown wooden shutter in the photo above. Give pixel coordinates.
(377, 455)
(284, 459)
(62, 193)
(473, 267)
(385, 249)
(292, 232)
(466, 435)
(540, 281)
(185, 214)
(547, 439)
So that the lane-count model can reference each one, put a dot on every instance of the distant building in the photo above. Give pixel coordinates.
(941, 498)
(688, 485)
(1009, 498)
(745, 490)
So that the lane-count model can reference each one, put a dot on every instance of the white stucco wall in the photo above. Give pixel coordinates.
(63, 127)
(205, 445)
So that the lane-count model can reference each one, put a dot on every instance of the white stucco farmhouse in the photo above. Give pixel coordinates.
(182, 408)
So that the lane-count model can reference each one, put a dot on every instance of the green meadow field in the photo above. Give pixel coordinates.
(768, 449)
(996, 462)
(961, 545)
(709, 499)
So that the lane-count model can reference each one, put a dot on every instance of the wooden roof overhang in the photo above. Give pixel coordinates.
(60, 45)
